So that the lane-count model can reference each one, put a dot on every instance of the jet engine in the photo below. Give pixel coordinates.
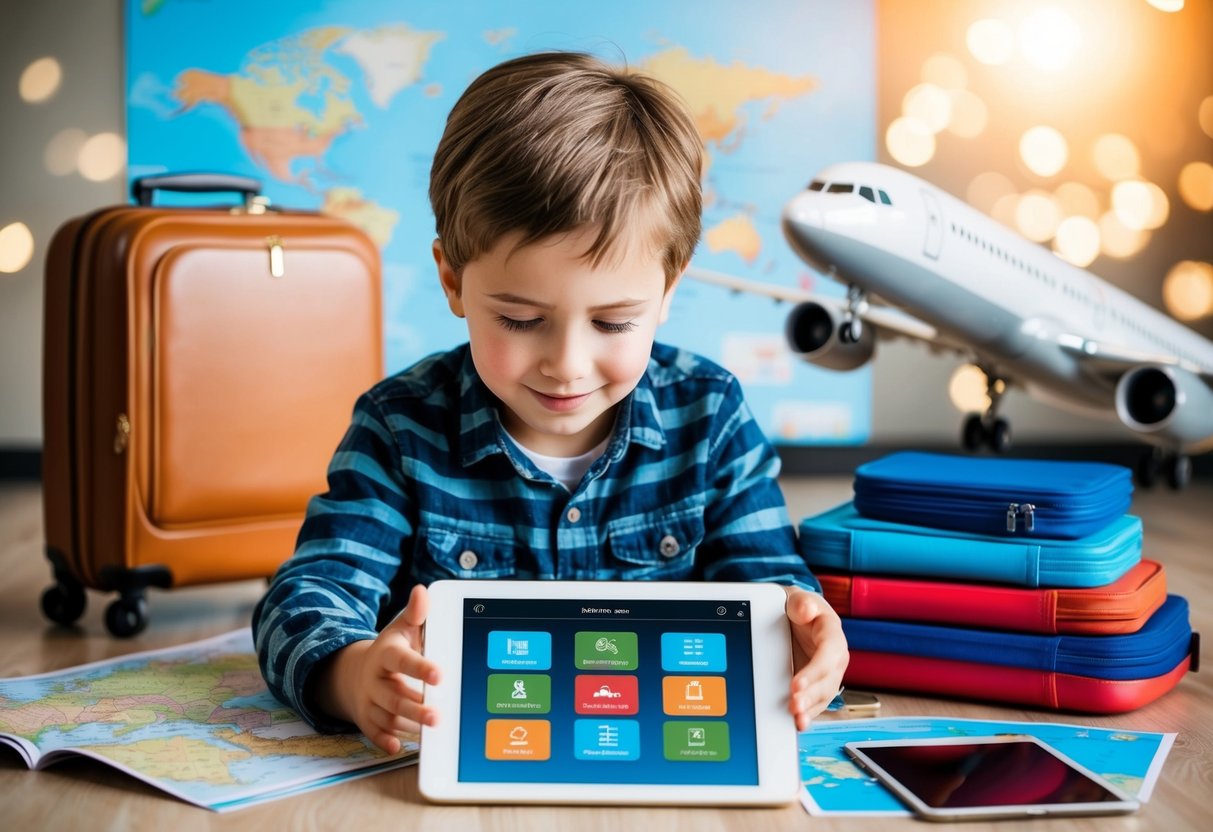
(812, 331)
(1168, 402)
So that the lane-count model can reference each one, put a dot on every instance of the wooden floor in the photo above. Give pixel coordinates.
(86, 795)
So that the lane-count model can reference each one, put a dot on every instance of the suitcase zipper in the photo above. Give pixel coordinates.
(1017, 510)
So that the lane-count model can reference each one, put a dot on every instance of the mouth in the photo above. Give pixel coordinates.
(559, 404)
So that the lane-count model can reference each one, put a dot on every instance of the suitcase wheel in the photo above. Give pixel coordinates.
(127, 616)
(64, 603)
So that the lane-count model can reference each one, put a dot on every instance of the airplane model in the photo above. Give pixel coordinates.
(962, 282)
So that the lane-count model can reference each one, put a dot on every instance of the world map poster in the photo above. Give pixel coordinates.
(337, 106)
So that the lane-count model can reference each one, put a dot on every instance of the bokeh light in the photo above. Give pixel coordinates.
(945, 71)
(1037, 216)
(40, 80)
(910, 142)
(929, 104)
(1005, 210)
(1049, 38)
(969, 390)
(1044, 150)
(1196, 185)
(990, 41)
(986, 189)
(1187, 290)
(969, 114)
(16, 247)
(63, 150)
(102, 157)
(1204, 115)
(1077, 241)
(1140, 204)
(1116, 157)
(1078, 200)
(1118, 240)
(1167, 5)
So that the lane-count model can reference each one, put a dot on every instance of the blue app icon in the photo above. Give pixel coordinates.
(516, 650)
(606, 739)
(693, 653)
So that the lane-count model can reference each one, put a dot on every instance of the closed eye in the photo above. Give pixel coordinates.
(514, 325)
(609, 326)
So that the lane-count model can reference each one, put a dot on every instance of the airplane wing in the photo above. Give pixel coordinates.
(1116, 359)
(887, 322)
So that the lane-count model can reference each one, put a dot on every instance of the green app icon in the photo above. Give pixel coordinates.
(519, 693)
(706, 742)
(605, 651)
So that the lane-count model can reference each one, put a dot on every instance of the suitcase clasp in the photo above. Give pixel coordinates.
(1015, 511)
(277, 261)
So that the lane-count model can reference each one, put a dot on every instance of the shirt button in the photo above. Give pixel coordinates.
(669, 546)
(574, 514)
(468, 559)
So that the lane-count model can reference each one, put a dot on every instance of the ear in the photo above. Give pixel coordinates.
(452, 283)
(669, 295)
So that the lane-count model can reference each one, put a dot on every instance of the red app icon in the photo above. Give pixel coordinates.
(607, 694)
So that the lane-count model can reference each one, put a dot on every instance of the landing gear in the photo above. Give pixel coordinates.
(851, 328)
(988, 428)
(1175, 466)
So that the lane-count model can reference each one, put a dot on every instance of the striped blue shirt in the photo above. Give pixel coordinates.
(427, 485)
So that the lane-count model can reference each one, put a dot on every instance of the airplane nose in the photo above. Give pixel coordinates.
(802, 219)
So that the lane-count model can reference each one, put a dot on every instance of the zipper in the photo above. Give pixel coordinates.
(1025, 510)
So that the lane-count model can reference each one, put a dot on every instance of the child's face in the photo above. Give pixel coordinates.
(558, 341)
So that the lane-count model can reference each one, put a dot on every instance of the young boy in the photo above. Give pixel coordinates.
(560, 442)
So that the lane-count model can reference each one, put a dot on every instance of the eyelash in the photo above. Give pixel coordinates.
(514, 325)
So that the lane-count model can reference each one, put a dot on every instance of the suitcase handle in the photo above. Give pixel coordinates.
(197, 183)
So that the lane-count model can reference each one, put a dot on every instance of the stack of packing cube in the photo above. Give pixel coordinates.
(1010, 580)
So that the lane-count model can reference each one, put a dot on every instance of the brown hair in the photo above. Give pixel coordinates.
(554, 142)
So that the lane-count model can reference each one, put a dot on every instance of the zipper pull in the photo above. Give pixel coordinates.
(1027, 511)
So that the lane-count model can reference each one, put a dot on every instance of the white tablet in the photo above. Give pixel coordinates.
(976, 778)
(598, 692)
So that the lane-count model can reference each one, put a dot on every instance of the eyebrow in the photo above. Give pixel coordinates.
(507, 297)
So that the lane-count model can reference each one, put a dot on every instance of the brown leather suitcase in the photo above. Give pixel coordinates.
(199, 368)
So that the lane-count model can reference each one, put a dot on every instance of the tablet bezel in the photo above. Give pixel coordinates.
(775, 731)
(858, 752)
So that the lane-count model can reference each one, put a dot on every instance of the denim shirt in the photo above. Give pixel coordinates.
(426, 485)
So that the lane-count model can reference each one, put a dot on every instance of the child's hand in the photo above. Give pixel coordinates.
(367, 682)
(819, 651)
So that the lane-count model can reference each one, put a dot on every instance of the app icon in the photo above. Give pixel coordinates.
(694, 696)
(696, 741)
(605, 651)
(518, 693)
(510, 650)
(518, 739)
(693, 652)
(606, 694)
(606, 739)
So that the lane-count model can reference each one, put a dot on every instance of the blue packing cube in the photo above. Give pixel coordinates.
(1164, 642)
(993, 496)
(842, 539)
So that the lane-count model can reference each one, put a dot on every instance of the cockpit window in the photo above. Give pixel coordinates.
(816, 185)
(885, 198)
(866, 193)
(840, 188)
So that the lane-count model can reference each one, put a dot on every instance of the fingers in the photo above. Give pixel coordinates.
(396, 698)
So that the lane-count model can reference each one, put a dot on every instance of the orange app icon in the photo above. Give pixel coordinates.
(693, 696)
(518, 739)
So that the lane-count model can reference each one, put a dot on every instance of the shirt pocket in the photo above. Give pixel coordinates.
(446, 553)
(656, 546)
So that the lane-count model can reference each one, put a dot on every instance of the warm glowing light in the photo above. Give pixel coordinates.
(102, 157)
(991, 41)
(40, 80)
(1140, 204)
(910, 141)
(63, 150)
(1187, 290)
(1043, 150)
(969, 389)
(1204, 114)
(945, 71)
(1005, 209)
(1118, 240)
(1116, 157)
(1049, 38)
(1167, 5)
(986, 189)
(929, 104)
(1077, 200)
(1037, 216)
(1077, 241)
(969, 115)
(1196, 185)
(16, 247)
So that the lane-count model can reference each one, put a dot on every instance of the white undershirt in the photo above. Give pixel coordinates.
(567, 470)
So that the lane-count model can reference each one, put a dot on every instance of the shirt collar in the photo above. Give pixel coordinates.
(481, 433)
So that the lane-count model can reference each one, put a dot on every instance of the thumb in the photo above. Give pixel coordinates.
(803, 606)
(415, 611)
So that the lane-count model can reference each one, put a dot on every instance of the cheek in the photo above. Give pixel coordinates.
(625, 363)
(495, 354)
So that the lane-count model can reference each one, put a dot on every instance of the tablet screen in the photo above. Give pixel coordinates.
(618, 691)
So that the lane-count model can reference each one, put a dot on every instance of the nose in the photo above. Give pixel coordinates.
(803, 222)
(566, 356)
